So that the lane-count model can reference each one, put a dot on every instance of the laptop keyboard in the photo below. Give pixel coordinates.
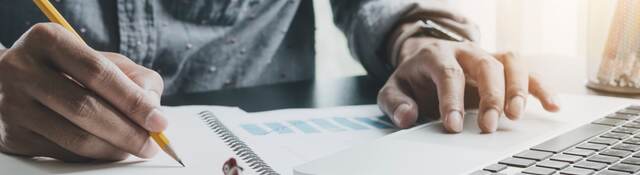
(607, 146)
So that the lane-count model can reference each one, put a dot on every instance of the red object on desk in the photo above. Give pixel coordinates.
(230, 167)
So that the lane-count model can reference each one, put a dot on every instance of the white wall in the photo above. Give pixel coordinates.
(529, 27)
(333, 59)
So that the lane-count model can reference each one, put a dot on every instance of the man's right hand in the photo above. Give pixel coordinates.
(60, 98)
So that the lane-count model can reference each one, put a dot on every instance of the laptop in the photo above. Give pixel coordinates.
(590, 135)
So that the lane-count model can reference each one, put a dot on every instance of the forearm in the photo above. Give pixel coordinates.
(370, 27)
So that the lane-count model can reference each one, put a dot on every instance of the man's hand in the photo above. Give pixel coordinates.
(436, 77)
(59, 98)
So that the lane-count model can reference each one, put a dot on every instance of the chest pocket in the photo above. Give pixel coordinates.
(206, 12)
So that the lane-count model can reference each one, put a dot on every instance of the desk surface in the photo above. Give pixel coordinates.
(563, 74)
(301, 94)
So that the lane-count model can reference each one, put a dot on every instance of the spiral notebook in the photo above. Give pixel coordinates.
(274, 142)
(271, 142)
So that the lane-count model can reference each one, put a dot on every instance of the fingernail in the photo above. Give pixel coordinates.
(554, 102)
(396, 114)
(155, 122)
(516, 106)
(148, 150)
(454, 121)
(490, 120)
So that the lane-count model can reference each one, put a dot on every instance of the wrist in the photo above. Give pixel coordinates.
(400, 35)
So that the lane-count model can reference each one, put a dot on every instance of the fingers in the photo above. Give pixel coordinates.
(449, 78)
(23, 142)
(88, 112)
(79, 141)
(95, 72)
(142, 76)
(488, 73)
(517, 84)
(543, 94)
(397, 104)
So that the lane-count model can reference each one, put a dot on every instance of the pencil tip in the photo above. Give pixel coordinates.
(179, 161)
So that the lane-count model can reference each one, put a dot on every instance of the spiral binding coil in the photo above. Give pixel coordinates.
(241, 149)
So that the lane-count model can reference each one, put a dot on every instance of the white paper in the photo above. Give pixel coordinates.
(283, 150)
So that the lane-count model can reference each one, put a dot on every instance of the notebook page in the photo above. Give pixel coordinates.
(289, 137)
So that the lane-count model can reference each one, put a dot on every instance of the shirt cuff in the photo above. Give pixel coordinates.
(409, 27)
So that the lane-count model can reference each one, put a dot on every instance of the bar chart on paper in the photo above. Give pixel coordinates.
(318, 125)
(296, 136)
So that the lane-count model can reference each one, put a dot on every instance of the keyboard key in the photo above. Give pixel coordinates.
(576, 171)
(609, 122)
(625, 168)
(624, 130)
(612, 135)
(635, 141)
(604, 141)
(573, 137)
(580, 152)
(590, 165)
(615, 153)
(566, 158)
(539, 171)
(634, 107)
(591, 146)
(533, 155)
(603, 159)
(495, 168)
(481, 172)
(517, 162)
(553, 164)
(627, 147)
(609, 172)
(622, 116)
(636, 155)
(628, 112)
(632, 160)
(632, 124)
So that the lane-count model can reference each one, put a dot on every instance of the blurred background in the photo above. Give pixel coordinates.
(515, 25)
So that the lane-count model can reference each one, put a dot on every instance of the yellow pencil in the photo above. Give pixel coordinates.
(54, 16)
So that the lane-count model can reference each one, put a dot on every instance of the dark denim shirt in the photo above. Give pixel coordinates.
(200, 45)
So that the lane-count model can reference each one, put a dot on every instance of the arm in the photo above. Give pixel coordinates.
(377, 24)
(431, 76)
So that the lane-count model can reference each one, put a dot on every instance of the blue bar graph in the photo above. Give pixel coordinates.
(374, 123)
(279, 128)
(318, 125)
(385, 119)
(348, 123)
(303, 126)
(254, 129)
(327, 125)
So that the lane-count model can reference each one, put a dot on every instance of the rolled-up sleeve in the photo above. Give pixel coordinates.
(367, 24)
(2, 46)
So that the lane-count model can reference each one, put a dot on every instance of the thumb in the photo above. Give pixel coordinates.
(396, 104)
